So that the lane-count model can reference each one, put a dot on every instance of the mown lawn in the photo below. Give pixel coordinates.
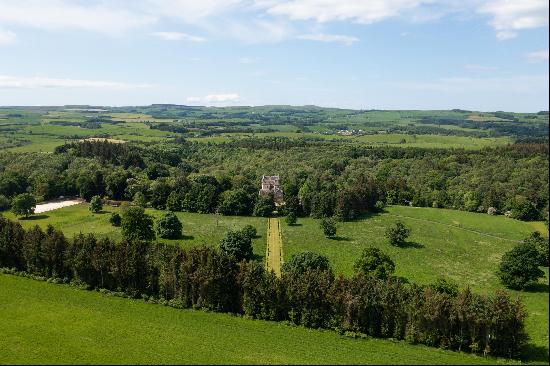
(43, 323)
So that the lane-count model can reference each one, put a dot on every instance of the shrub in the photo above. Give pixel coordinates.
(520, 266)
(250, 231)
(115, 219)
(304, 261)
(374, 263)
(4, 203)
(291, 218)
(237, 244)
(140, 200)
(328, 225)
(169, 226)
(264, 206)
(492, 211)
(443, 286)
(23, 204)
(96, 205)
(541, 245)
(137, 225)
(398, 234)
(379, 206)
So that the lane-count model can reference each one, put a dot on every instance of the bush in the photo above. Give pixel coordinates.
(526, 211)
(264, 206)
(96, 205)
(237, 244)
(304, 261)
(140, 200)
(328, 225)
(492, 211)
(137, 225)
(4, 203)
(250, 231)
(379, 206)
(115, 219)
(520, 267)
(398, 234)
(442, 286)
(541, 245)
(374, 263)
(291, 218)
(169, 226)
(23, 204)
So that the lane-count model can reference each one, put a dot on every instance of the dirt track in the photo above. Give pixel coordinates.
(274, 252)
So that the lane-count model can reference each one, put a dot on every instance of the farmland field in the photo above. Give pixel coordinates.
(46, 323)
(460, 246)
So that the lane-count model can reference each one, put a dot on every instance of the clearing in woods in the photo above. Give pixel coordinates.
(274, 252)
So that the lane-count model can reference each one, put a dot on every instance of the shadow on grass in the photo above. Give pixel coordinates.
(292, 225)
(340, 238)
(258, 258)
(187, 237)
(368, 215)
(534, 353)
(537, 288)
(35, 217)
(412, 244)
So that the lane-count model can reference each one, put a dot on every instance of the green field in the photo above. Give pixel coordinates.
(46, 323)
(43, 128)
(198, 229)
(461, 246)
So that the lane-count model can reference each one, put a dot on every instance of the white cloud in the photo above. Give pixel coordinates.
(215, 99)
(222, 98)
(61, 14)
(537, 56)
(320, 37)
(6, 37)
(191, 11)
(15, 82)
(510, 16)
(178, 36)
(365, 12)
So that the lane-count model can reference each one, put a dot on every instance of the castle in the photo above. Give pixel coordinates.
(271, 184)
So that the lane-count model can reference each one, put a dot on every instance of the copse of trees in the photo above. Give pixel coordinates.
(307, 294)
(345, 184)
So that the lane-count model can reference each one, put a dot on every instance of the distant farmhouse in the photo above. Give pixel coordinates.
(271, 184)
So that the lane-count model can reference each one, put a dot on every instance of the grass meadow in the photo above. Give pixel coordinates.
(460, 246)
(43, 323)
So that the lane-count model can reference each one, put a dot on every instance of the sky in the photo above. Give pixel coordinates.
(484, 55)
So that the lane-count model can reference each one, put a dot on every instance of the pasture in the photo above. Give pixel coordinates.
(460, 246)
(44, 323)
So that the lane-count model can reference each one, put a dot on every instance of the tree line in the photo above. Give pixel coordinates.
(307, 294)
(346, 183)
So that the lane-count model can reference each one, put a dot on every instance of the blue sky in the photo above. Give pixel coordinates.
(392, 54)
